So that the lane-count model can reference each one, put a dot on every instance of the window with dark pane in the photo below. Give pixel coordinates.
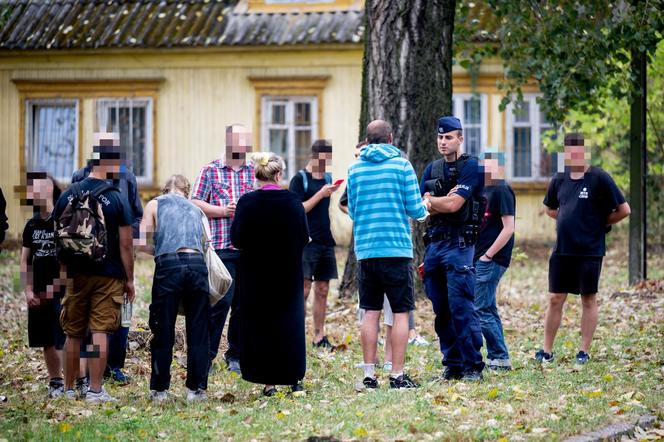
(130, 117)
(522, 152)
(288, 127)
(548, 160)
(472, 126)
(279, 142)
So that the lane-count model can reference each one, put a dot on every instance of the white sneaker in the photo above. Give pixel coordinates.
(70, 394)
(196, 395)
(160, 396)
(97, 398)
(418, 341)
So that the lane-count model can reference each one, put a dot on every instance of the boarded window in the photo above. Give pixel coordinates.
(52, 137)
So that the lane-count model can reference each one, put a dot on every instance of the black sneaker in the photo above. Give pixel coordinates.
(544, 357)
(323, 343)
(403, 381)
(451, 374)
(472, 376)
(582, 358)
(295, 388)
(370, 382)
(269, 392)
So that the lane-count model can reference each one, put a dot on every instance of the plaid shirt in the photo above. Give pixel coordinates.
(219, 185)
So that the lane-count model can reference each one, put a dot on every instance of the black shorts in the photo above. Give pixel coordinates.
(44, 329)
(392, 277)
(319, 262)
(574, 274)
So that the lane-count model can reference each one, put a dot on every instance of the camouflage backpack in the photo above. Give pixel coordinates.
(80, 231)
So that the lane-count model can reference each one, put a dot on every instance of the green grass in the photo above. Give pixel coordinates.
(623, 380)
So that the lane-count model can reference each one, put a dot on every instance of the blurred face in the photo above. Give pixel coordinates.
(238, 143)
(493, 170)
(449, 143)
(576, 157)
(40, 191)
(108, 142)
(321, 161)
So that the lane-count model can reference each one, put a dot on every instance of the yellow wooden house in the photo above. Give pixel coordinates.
(170, 75)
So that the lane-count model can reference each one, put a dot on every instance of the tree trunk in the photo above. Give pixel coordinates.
(637, 172)
(407, 81)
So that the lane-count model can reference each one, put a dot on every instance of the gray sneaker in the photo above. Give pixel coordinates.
(97, 398)
(70, 394)
(196, 395)
(160, 396)
(234, 366)
(56, 388)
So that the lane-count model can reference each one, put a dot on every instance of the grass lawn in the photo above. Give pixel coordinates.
(623, 380)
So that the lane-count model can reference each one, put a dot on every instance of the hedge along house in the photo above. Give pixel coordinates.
(169, 76)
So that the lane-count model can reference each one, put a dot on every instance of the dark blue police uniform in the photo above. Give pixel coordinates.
(449, 278)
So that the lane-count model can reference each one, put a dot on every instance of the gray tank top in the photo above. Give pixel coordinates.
(179, 225)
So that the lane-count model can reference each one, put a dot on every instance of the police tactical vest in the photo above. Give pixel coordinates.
(440, 184)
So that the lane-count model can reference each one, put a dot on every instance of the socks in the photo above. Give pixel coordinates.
(370, 370)
(396, 375)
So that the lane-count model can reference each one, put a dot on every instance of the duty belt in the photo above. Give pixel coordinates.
(440, 235)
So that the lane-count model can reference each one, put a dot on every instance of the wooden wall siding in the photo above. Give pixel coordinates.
(202, 92)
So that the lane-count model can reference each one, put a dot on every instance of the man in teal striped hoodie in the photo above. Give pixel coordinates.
(382, 194)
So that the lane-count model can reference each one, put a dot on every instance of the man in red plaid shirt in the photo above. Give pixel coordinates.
(217, 189)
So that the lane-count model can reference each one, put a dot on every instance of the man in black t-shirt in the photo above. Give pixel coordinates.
(493, 253)
(42, 281)
(98, 288)
(125, 181)
(314, 187)
(585, 202)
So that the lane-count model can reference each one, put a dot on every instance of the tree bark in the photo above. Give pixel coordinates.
(407, 81)
(637, 167)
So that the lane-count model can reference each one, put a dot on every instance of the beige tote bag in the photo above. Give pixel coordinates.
(219, 278)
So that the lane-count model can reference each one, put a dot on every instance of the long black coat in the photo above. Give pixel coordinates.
(270, 229)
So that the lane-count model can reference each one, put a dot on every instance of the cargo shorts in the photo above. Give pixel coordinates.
(93, 304)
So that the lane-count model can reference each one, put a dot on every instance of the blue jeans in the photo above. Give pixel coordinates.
(179, 278)
(488, 277)
(449, 281)
(117, 348)
(219, 312)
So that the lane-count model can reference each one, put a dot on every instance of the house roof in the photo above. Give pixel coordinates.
(95, 24)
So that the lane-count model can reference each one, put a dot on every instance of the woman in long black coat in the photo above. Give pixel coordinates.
(270, 230)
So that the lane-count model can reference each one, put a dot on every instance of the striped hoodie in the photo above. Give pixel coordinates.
(382, 194)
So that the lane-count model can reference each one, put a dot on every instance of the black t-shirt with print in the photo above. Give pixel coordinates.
(318, 217)
(500, 202)
(116, 214)
(39, 237)
(583, 207)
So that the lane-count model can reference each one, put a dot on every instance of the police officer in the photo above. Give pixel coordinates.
(454, 187)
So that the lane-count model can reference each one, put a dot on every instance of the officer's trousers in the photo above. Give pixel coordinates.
(449, 281)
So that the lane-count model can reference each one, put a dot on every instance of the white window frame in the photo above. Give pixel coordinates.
(103, 104)
(29, 133)
(266, 125)
(536, 124)
(458, 99)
